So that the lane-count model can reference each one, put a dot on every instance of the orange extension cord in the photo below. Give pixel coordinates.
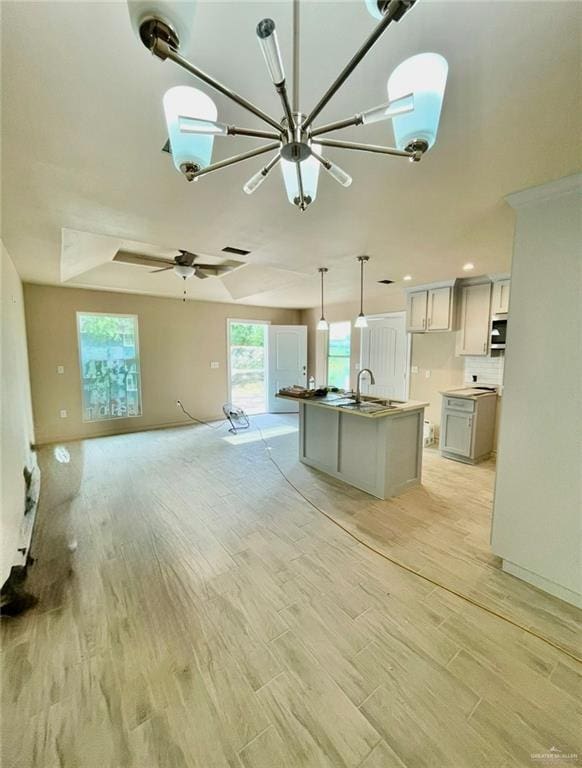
(411, 570)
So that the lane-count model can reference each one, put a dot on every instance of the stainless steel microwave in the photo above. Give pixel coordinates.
(498, 332)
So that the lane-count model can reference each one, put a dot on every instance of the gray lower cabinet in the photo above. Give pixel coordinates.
(468, 427)
(381, 455)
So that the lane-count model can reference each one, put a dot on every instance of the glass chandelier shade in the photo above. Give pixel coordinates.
(178, 14)
(181, 105)
(425, 76)
(309, 174)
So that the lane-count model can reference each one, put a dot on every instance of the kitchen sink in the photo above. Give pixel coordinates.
(368, 406)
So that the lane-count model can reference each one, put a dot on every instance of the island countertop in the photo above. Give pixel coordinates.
(327, 402)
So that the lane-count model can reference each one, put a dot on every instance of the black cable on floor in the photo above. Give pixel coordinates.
(407, 568)
(200, 421)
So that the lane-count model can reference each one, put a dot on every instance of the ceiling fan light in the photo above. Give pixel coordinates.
(425, 76)
(322, 325)
(361, 321)
(182, 103)
(182, 270)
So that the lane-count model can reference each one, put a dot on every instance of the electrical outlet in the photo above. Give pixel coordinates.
(427, 373)
(414, 369)
(63, 413)
(60, 369)
(214, 364)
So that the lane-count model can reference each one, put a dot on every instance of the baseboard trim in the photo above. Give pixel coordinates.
(148, 428)
(547, 585)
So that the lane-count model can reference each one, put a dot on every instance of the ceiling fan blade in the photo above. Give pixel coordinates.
(141, 260)
(217, 268)
(163, 269)
(201, 274)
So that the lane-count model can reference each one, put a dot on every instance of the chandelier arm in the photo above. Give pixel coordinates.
(234, 130)
(396, 9)
(163, 50)
(300, 186)
(369, 148)
(236, 159)
(296, 55)
(355, 120)
(284, 96)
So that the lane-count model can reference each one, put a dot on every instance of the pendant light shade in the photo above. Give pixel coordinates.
(309, 174)
(425, 76)
(322, 325)
(182, 103)
(361, 321)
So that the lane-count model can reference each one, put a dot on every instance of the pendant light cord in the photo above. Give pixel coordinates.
(322, 315)
(361, 286)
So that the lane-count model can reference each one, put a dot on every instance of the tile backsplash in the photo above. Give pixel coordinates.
(489, 370)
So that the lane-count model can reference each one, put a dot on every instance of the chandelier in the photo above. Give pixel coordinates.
(415, 95)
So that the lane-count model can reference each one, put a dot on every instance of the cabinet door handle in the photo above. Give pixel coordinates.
(424, 322)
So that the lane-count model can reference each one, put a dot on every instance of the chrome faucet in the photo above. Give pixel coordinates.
(358, 382)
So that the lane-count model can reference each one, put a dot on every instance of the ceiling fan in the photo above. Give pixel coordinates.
(184, 264)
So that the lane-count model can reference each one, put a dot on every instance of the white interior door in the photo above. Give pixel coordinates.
(287, 363)
(385, 350)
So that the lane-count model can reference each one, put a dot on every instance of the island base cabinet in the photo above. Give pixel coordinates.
(382, 456)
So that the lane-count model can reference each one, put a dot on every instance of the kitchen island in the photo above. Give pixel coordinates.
(375, 445)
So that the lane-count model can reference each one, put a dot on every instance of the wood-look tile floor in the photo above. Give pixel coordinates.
(210, 617)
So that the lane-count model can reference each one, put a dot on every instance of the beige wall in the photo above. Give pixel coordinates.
(16, 415)
(177, 342)
(434, 352)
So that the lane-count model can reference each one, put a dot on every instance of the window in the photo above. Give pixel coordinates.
(338, 355)
(248, 365)
(109, 362)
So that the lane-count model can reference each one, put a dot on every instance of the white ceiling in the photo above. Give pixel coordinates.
(82, 129)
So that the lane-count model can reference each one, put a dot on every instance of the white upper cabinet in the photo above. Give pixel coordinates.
(416, 311)
(474, 319)
(430, 308)
(500, 298)
(440, 304)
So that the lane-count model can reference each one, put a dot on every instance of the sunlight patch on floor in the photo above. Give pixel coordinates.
(253, 436)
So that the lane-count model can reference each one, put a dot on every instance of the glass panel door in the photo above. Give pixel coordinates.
(248, 365)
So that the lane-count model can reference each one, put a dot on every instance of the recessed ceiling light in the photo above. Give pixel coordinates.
(407, 277)
(468, 267)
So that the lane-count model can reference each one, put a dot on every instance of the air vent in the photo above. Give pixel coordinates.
(386, 282)
(236, 251)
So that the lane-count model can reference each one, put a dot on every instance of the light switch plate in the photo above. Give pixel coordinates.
(214, 364)
(414, 369)
(63, 413)
(427, 373)
(60, 368)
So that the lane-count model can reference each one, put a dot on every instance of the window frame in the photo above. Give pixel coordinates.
(347, 357)
(139, 415)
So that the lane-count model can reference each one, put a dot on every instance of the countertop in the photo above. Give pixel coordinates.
(470, 393)
(327, 402)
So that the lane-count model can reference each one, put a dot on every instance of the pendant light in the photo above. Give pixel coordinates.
(361, 321)
(322, 324)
